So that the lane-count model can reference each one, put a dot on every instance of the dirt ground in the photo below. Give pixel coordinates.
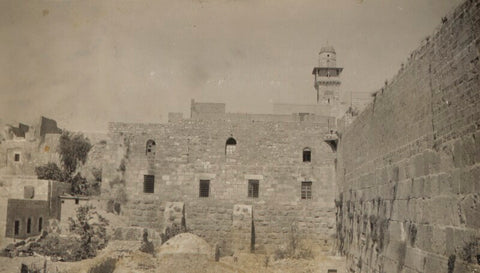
(128, 259)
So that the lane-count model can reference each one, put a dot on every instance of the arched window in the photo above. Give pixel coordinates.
(150, 147)
(230, 146)
(307, 155)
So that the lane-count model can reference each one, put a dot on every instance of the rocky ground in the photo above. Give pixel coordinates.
(184, 253)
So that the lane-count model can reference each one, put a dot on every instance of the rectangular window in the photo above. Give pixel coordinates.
(40, 224)
(253, 186)
(29, 225)
(307, 155)
(17, 157)
(307, 190)
(17, 227)
(204, 188)
(148, 183)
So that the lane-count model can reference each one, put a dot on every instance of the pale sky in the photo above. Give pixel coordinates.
(85, 63)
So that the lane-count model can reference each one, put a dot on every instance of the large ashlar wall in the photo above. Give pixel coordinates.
(188, 150)
(409, 166)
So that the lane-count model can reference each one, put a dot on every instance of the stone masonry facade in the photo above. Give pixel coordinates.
(409, 166)
(268, 152)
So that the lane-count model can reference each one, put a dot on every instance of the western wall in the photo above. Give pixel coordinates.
(409, 166)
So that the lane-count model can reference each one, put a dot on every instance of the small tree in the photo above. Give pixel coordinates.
(74, 149)
(91, 227)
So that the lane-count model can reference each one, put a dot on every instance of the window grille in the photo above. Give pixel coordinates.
(204, 189)
(306, 190)
(148, 184)
(253, 188)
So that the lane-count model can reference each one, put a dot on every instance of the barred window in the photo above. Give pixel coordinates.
(307, 155)
(253, 187)
(17, 157)
(204, 188)
(306, 190)
(148, 184)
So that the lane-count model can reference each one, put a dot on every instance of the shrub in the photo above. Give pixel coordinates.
(80, 185)
(91, 228)
(66, 248)
(50, 171)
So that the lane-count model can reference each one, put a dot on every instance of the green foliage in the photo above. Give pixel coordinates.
(91, 229)
(50, 171)
(67, 248)
(88, 236)
(74, 148)
(80, 185)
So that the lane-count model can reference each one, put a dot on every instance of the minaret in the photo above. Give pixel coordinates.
(327, 81)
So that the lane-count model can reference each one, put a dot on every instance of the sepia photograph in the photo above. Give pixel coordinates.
(240, 136)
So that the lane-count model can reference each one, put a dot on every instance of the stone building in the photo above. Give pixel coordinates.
(25, 147)
(27, 203)
(246, 180)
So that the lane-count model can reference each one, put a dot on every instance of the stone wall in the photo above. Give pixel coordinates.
(188, 151)
(24, 211)
(408, 166)
(31, 154)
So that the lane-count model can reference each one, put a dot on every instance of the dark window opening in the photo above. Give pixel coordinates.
(40, 224)
(29, 225)
(253, 188)
(150, 147)
(204, 189)
(230, 146)
(77, 201)
(17, 227)
(307, 190)
(307, 155)
(148, 184)
(17, 157)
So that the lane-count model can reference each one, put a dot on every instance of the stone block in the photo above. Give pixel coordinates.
(434, 263)
(470, 211)
(415, 259)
